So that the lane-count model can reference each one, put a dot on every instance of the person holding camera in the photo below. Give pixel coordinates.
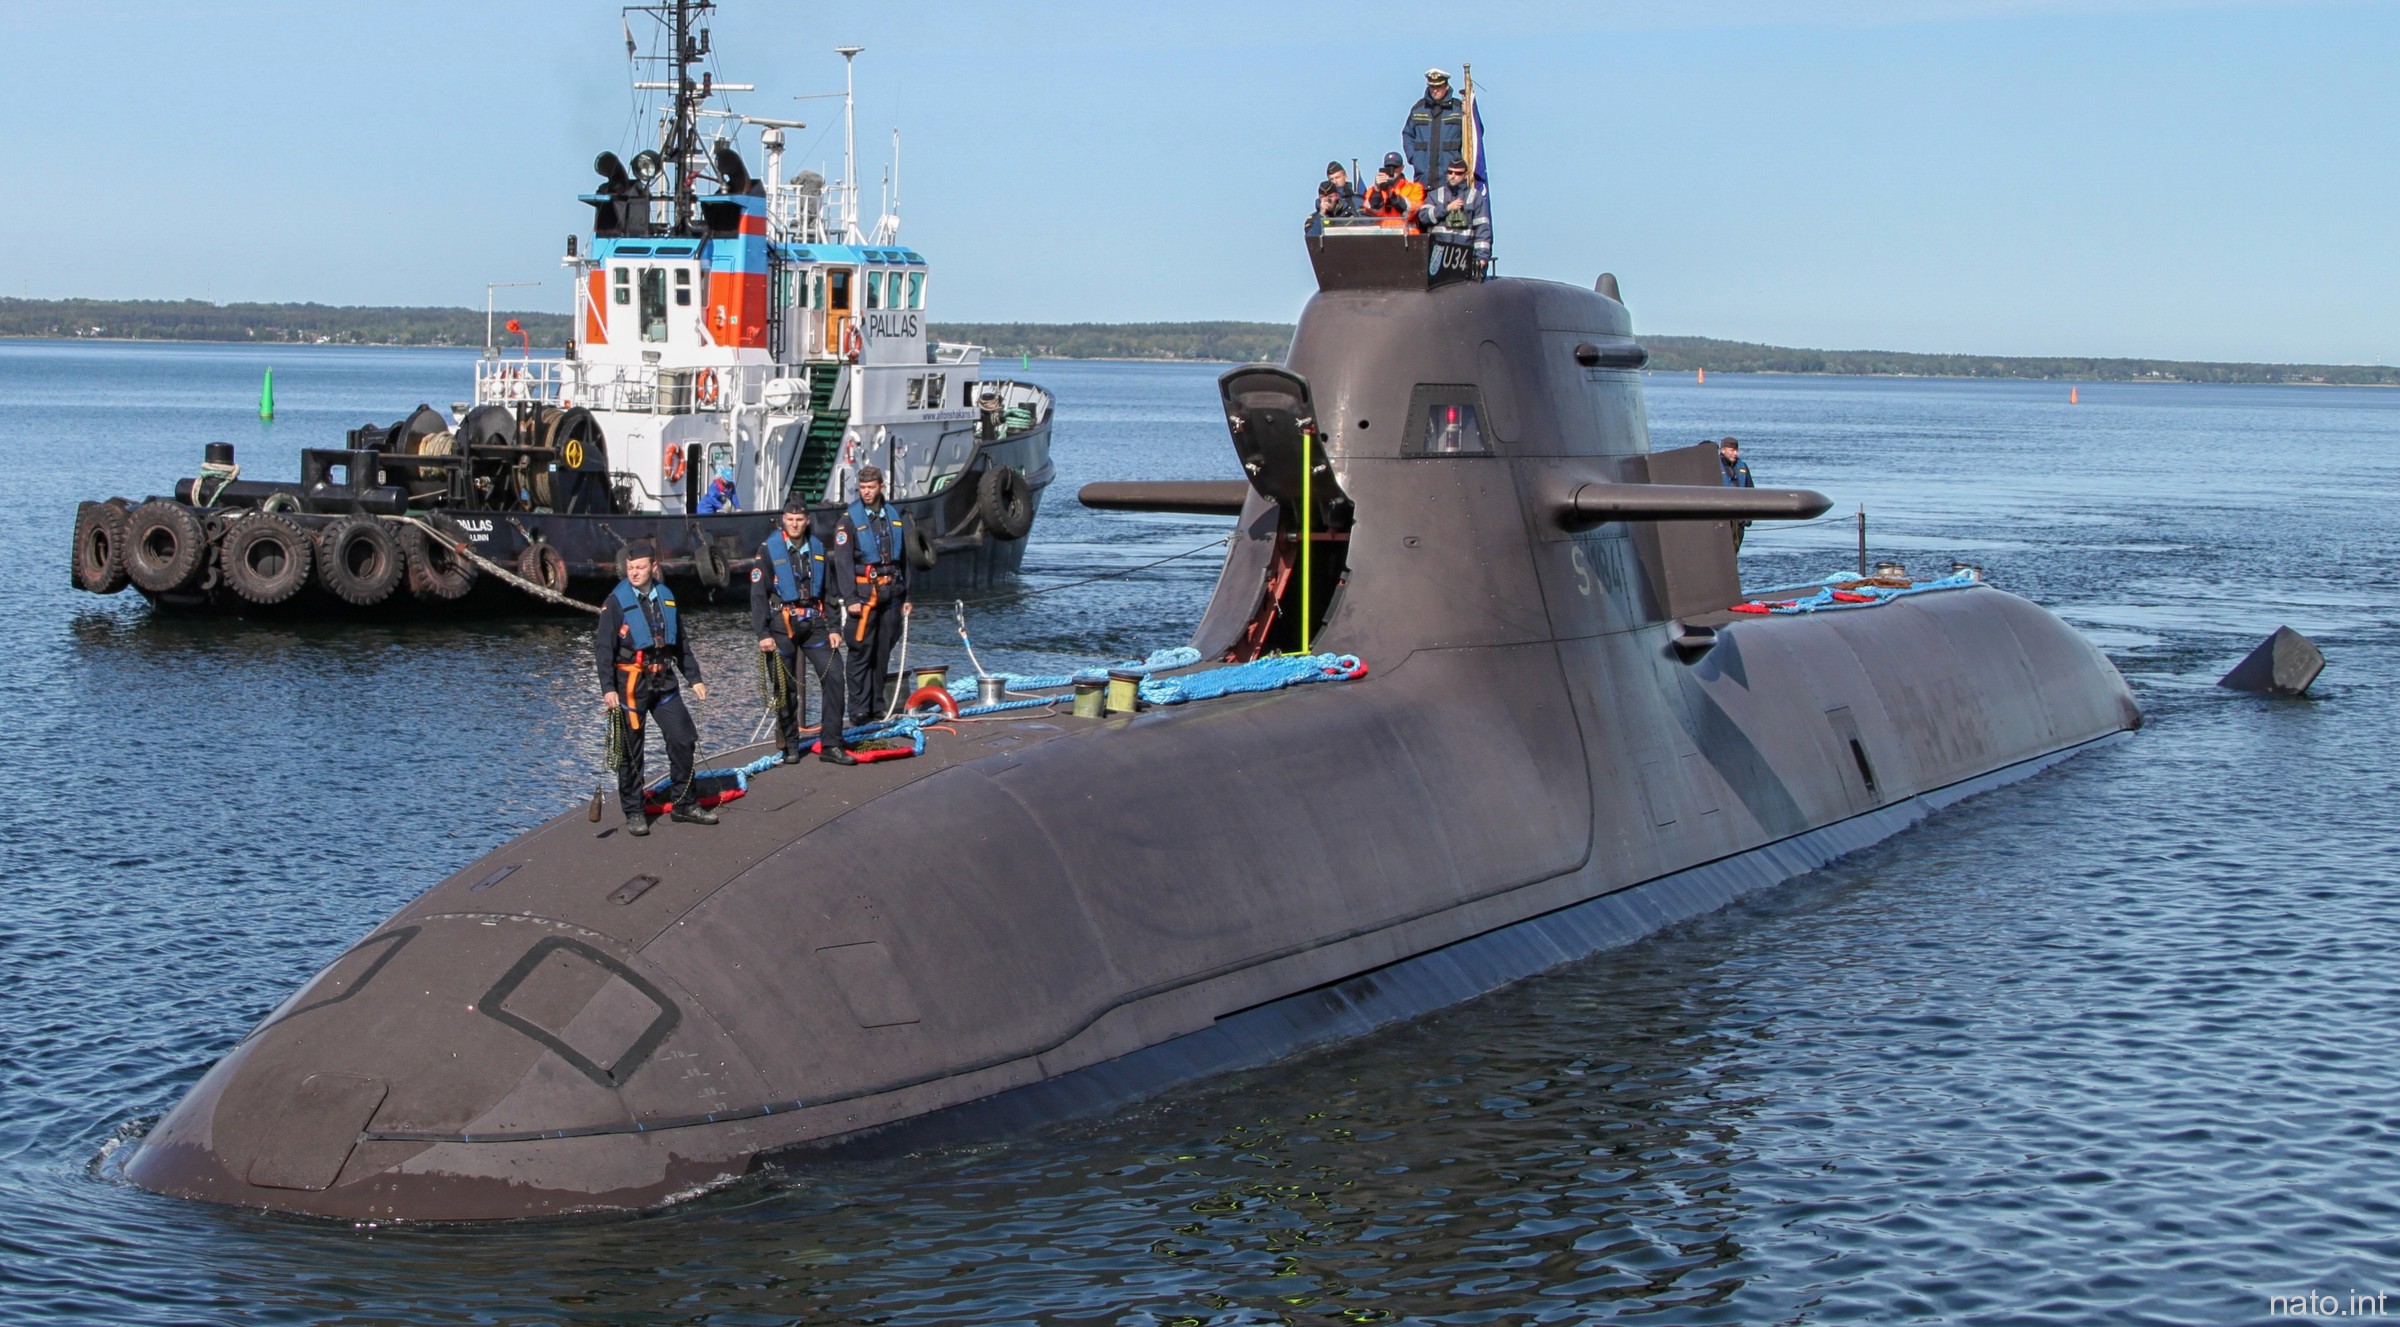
(1393, 194)
(1332, 205)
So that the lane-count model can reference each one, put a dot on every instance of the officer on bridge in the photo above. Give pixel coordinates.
(870, 550)
(795, 620)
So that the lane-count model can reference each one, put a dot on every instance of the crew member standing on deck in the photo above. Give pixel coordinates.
(794, 618)
(1737, 475)
(870, 550)
(1436, 131)
(639, 648)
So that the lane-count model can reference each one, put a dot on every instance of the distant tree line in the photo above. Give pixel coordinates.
(317, 324)
(1224, 342)
(1683, 354)
(1239, 343)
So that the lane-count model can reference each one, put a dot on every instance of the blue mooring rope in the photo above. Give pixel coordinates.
(1823, 600)
(1269, 674)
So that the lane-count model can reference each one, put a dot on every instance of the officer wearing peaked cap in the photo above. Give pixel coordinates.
(870, 550)
(795, 607)
(1435, 133)
(639, 646)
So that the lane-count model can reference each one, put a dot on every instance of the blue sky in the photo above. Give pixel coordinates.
(2191, 180)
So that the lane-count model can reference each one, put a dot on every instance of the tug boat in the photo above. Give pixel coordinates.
(725, 323)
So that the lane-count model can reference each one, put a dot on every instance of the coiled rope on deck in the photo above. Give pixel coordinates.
(1848, 590)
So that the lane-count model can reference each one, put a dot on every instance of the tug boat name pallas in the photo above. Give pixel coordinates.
(737, 339)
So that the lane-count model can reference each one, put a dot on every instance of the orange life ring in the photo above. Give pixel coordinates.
(670, 463)
(936, 696)
(852, 344)
(705, 390)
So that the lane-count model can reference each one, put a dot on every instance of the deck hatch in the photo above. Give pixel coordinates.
(633, 889)
(871, 984)
(592, 1011)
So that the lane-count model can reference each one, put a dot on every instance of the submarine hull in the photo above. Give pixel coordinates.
(1061, 913)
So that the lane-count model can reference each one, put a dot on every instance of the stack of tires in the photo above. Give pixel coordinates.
(169, 550)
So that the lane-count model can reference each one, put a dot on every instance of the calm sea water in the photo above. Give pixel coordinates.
(2115, 1044)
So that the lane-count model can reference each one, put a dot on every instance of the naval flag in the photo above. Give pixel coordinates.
(1474, 134)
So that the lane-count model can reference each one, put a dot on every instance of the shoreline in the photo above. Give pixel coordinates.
(2086, 380)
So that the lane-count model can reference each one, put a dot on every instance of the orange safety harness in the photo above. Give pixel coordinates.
(633, 673)
(866, 611)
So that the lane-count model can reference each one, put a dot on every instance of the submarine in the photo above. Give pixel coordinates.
(1566, 727)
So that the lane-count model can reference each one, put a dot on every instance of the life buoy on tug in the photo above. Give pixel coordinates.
(705, 390)
(852, 344)
(670, 463)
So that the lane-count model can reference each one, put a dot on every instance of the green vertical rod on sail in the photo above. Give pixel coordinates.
(266, 396)
(1308, 584)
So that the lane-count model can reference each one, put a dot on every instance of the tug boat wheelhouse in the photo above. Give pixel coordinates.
(725, 324)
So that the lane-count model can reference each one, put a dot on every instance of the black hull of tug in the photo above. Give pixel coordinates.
(707, 557)
(965, 563)
(1552, 753)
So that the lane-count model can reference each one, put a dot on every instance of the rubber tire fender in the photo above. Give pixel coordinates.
(708, 562)
(266, 558)
(542, 563)
(99, 555)
(1005, 501)
(359, 561)
(921, 554)
(164, 547)
(435, 572)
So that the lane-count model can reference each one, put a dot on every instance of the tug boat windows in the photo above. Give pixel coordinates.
(892, 298)
(916, 290)
(683, 287)
(624, 285)
(874, 290)
(654, 304)
(916, 393)
(815, 299)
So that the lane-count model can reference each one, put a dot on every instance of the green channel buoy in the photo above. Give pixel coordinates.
(266, 396)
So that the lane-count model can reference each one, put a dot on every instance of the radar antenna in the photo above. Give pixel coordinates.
(688, 46)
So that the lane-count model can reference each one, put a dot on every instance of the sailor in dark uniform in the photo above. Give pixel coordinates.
(1737, 475)
(639, 647)
(794, 616)
(1435, 133)
(870, 550)
(1459, 214)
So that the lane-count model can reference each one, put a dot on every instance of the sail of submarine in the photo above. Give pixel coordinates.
(1564, 742)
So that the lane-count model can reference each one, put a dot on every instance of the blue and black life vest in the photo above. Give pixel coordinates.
(637, 622)
(870, 529)
(787, 580)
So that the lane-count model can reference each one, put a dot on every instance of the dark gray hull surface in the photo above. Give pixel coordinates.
(1551, 754)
